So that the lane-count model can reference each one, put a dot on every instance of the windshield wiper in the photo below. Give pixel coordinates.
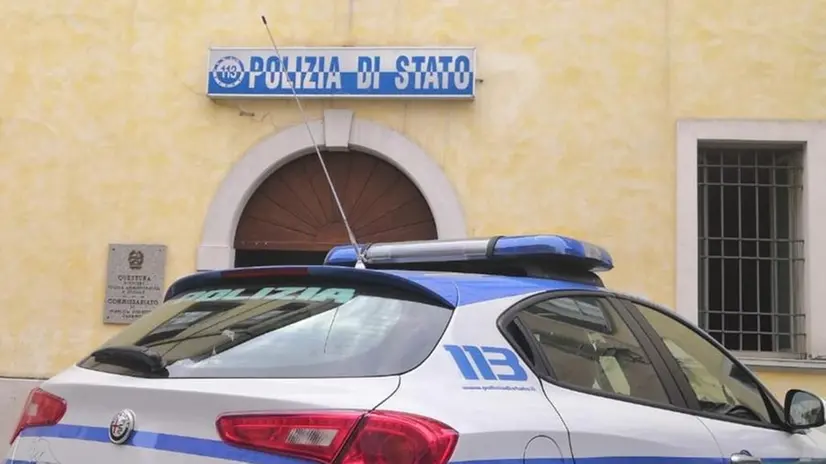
(137, 358)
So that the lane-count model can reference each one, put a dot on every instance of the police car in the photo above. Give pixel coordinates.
(489, 351)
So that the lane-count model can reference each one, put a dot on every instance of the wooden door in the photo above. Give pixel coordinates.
(295, 210)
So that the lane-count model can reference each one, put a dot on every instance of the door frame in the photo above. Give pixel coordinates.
(775, 408)
(663, 362)
(338, 129)
(677, 401)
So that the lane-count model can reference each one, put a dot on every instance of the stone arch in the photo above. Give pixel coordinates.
(338, 131)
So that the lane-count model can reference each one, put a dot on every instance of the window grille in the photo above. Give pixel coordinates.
(750, 247)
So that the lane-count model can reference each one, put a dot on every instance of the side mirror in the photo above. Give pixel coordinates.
(804, 410)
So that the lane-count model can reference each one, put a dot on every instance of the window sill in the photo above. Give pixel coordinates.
(780, 364)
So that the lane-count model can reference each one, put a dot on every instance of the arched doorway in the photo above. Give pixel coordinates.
(292, 217)
(338, 130)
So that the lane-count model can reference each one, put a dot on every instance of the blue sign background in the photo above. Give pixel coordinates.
(348, 72)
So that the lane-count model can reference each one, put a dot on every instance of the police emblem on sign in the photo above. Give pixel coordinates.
(121, 427)
(228, 72)
(135, 260)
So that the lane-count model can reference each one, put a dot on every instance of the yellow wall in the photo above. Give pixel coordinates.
(782, 381)
(105, 135)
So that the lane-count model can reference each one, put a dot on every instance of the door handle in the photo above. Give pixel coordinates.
(744, 457)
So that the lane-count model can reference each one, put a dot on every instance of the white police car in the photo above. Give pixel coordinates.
(487, 351)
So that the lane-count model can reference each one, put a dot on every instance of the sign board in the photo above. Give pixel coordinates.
(134, 283)
(343, 72)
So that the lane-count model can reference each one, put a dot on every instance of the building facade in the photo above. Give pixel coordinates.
(684, 136)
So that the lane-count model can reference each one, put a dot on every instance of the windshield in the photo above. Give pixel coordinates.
(285, 331)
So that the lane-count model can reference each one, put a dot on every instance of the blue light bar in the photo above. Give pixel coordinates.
(515, 246)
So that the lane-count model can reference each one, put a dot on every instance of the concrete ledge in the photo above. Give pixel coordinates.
(13, 392)
(799, 365)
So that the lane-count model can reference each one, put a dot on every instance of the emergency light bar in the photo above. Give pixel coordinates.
(529, 247)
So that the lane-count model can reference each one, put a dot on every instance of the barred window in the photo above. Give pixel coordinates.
(751, 247)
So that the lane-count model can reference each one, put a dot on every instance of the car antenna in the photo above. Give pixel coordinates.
(359, 255)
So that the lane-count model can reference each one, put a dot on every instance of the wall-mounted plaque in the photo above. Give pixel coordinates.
(134, 281)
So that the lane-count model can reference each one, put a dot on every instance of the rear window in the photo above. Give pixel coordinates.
(295, 329)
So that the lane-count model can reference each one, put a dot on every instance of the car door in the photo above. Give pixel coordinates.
(743, 416)
(607, 381)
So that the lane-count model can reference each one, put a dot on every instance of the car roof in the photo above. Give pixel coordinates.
(464, 289)
(452, 288)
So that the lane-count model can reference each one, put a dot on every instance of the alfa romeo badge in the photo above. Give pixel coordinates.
(121, 427)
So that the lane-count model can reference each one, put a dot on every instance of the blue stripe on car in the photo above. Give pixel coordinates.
(472, 288)
(216, 449)
(163, 442)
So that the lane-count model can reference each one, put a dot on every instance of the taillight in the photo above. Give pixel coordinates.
(344, 438)
(397, 438)
(317, 436)
(41, 408)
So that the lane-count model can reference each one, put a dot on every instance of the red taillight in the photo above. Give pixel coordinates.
(353, 438)
(41, 408)
(317, 436)
(397, 438)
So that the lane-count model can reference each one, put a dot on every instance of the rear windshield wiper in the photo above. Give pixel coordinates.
(137, 358)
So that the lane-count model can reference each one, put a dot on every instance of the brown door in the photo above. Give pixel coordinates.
(294, 208)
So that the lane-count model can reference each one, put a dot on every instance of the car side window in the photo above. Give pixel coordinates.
(590, 347)
(722, 387)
